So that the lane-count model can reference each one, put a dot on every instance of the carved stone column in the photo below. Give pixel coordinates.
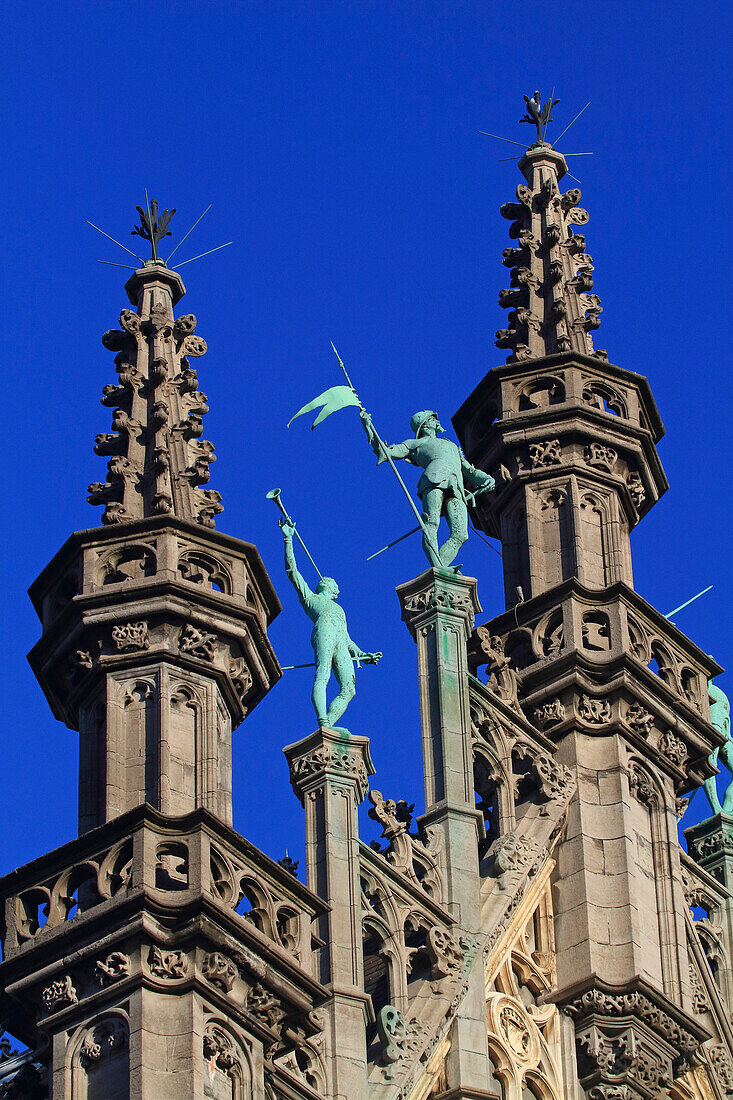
(329, 772)
(710, 843)
(439, 609)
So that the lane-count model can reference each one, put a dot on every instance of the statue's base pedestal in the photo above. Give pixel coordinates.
(710, 843)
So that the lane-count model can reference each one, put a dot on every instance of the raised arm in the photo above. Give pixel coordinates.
(305, 594)
(395, 450)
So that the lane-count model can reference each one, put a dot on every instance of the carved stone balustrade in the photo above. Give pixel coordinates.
(603, 661)
(145, 856)
(158, 908)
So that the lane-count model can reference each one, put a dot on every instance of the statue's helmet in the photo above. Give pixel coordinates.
(420, 419)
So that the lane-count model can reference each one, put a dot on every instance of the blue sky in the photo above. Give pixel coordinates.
(338, 145)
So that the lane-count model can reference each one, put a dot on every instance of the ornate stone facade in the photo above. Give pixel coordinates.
(536, 931)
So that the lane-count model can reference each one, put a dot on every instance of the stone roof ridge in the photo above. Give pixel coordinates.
(551, 307)
(158, 461)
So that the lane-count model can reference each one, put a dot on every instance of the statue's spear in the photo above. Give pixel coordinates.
(341, 397)
(385, 452)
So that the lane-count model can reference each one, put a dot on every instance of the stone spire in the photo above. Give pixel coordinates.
(154, 642)
(551, 307)
(158, 461)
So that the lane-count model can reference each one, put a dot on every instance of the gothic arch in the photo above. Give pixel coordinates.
(98, 1059)
(227, 1062)
(603, 397)
(493, 784)
(541, 392)
(654, 792)
(124, 564)
(204, 569)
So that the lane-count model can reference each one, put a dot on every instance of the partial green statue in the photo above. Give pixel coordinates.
(720, 719)
(333, 648)
(449, 482)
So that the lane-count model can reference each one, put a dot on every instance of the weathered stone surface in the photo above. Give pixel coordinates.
(537, 930)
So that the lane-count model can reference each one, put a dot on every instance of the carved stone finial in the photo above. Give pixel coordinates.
(153, 227)
(157, 461)
(551, 307)
(289, 865)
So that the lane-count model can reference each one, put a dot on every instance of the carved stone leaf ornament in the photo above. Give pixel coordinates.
(596, 1002)
(400, 1039)
(503, 680)
(131, 636)
(446, 951)
(219, 970)
(594, 711)
(264, 1006)
(167, 964)
(639, 719)
(439, 599)
(392, 1032)
(699, 999)
(59, 994)
(102, 1040)
(547, 453)
(197, 642)
(720, 1059)
(635, 485)
(673, 748)
(348, 763)
(549, 713)
(641, 785)
(597, 454)
(220, 1052)
(112, 969)
(514, 852)
(555, 780)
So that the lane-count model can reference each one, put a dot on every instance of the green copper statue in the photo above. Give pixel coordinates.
(442, 487)
(332, 646)
(720, 719)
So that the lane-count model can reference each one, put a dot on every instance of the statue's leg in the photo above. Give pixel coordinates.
(324, 657)
(710, 786)
(343, 667)
(432, 503)
(456, 514)
(726, 751)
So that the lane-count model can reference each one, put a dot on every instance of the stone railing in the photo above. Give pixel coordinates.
(548, 655)
(172, 861)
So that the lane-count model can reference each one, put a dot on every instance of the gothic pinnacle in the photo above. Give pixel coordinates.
(551, 307)
(158, 461)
